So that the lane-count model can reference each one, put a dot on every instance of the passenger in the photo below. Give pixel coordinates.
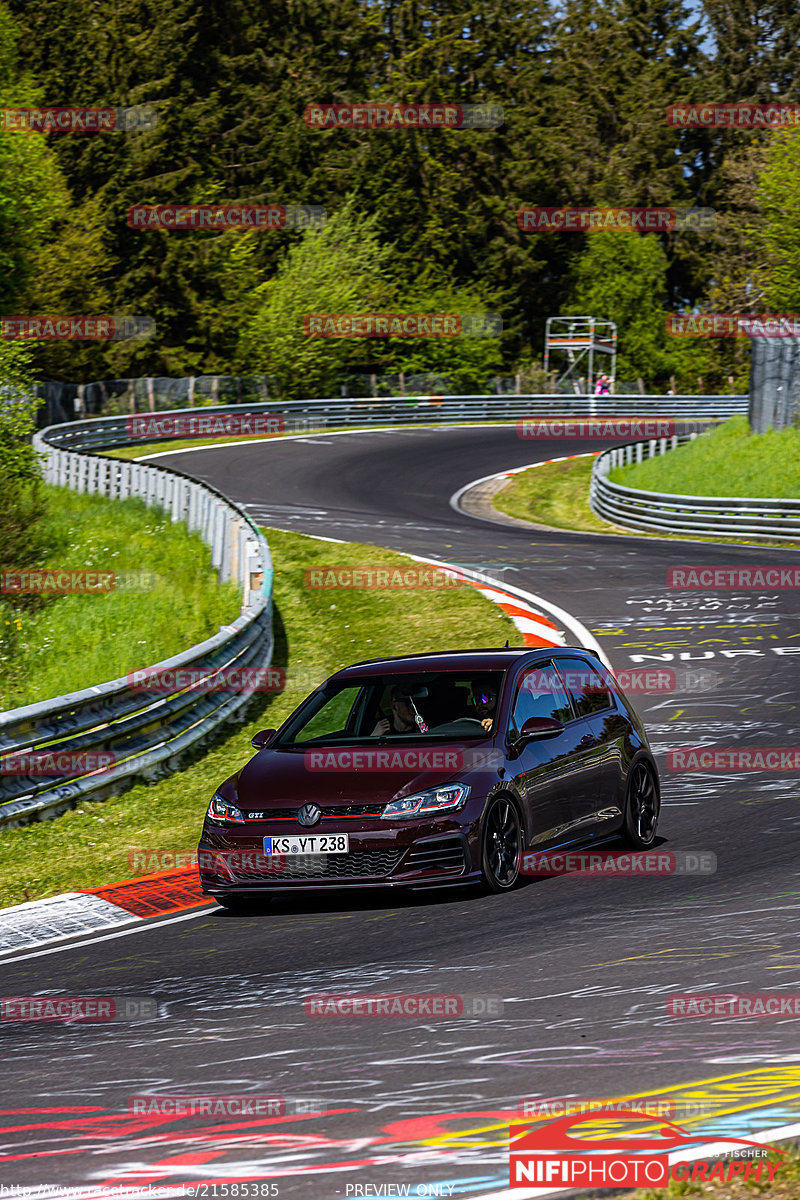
(403, 719)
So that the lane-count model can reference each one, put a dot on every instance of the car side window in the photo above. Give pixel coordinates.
(587, 684)
(540, 693)
(332, 718)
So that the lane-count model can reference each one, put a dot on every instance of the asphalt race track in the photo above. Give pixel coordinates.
(583, 966)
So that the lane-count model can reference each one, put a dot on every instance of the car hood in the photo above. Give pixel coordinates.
(283, 778)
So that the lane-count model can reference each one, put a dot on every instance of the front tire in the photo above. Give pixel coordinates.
(501, 844)
(642, 807)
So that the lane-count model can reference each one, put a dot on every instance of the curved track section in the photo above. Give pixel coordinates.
(583, 966)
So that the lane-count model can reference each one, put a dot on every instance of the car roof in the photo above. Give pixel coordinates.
(454, 660)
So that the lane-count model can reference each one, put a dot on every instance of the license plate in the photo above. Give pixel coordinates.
(317, 843)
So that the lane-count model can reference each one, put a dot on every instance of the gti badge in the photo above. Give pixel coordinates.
(309, 814)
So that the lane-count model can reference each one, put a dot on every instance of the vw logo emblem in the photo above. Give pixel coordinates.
(309, 814)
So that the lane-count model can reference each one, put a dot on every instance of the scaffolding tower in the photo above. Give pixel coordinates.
(579, 339)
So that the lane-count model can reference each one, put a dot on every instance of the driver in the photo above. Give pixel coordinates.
(403, 719)
(484, 697)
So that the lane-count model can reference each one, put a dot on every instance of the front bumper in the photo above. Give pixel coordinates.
(422, 854)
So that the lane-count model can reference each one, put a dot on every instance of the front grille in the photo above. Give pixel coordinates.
(331, 812)
(361, 864)
(444, 855)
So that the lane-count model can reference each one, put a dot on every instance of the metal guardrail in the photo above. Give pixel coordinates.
(410, 410)
(108, 397)
(635, 508)
(144, 733)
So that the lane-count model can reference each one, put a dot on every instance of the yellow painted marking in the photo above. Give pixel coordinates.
(761, 1085)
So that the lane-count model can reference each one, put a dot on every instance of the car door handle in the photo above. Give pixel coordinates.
(587, 740)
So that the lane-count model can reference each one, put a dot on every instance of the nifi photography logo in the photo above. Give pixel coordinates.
(549, 1157)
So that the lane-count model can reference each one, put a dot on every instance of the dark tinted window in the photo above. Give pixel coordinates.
(425, 705)
(587, 684)
(540, 694)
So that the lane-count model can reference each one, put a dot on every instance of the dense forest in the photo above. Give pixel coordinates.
(417, 219)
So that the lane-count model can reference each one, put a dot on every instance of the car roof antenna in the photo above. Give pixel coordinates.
(506, 647)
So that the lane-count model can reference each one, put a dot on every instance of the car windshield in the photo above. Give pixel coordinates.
(440, 705)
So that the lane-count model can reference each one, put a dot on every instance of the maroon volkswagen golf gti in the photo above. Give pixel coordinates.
(433, 769)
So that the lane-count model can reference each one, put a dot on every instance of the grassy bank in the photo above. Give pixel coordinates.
(726, 461)
(165, 598)
(557, 494)
(316, 632)
(785, 1185)
(554, 494)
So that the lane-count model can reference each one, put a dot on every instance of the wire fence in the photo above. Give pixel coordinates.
(117, 397)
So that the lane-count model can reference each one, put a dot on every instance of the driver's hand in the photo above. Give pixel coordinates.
(487, 724)
(381, 728)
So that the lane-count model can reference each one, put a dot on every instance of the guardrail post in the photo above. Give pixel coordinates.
(217, 524)
(255, 572)
(226, 542)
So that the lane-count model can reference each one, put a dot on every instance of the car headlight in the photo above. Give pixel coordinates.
(422, 804)
(220, 810)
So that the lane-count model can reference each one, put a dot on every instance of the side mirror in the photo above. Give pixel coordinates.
(536, 728)
(262, 738)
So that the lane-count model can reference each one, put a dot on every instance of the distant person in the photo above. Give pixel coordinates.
(603, 386)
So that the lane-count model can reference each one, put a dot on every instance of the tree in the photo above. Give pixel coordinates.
(342, 268)
(622, 278)
(21, 505)
(779, 230)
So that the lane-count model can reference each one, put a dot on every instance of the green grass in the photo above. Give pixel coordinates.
(169, 598)
(557, 494)
(785, 1185)
(316, 632)
(554, 494)
(726, 461)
